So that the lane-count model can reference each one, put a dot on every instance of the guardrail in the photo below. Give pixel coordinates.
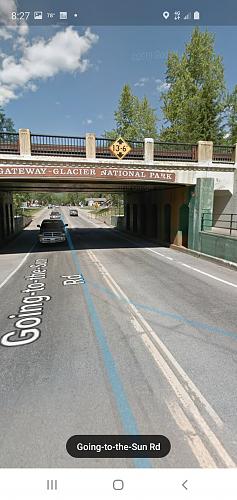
(227, 223)
(223, 154)
(58, 145)
(9, 142)
(175, 151)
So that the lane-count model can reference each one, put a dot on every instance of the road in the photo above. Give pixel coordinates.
(145, 343)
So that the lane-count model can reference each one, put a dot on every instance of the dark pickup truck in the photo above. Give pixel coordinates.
(52, 231)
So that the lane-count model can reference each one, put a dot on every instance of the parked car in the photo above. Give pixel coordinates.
(55, 215)
(52, 231)
(73, 211)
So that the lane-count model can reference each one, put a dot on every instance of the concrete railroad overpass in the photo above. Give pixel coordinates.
(166, 186)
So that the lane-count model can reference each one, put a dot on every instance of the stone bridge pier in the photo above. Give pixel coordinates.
(6, 217)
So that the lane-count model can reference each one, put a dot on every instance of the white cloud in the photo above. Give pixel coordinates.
(89, 121)
(6, 7)
(5, 33)
(162, 85)
(43, 59)
(10, 27)
(141, 82)
(6, 95)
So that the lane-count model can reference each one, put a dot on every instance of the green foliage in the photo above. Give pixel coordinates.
(194, 104)
(6, 124)
(232, 116)
(19, 199)
(134, 118)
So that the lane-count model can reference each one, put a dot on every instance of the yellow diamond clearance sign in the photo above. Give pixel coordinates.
(120, 148)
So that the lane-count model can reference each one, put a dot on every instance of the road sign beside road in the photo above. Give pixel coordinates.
(120, 148)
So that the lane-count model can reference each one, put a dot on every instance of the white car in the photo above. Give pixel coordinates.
(55, 215)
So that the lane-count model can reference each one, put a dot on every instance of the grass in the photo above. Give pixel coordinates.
(28, 212)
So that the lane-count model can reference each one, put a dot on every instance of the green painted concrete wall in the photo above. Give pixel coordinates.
(224, 247)
(201, 201)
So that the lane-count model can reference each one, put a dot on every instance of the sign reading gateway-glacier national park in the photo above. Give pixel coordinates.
(85, 173)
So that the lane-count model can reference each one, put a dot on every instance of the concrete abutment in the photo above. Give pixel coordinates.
(6, 217)
(158, 214)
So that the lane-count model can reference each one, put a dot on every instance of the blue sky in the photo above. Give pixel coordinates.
(82, 92)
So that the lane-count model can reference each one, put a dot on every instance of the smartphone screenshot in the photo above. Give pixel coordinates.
(118, 250)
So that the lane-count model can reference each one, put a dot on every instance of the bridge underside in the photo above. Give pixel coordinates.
(153, 209)
(28, 185)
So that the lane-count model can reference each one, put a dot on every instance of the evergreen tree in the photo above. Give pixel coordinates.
(134, 118)
(146, 120)
(193, 106)
(232, 116)
(6, 124)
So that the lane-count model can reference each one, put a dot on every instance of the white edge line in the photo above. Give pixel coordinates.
(17, 268)
(21, 263)
(209, 275)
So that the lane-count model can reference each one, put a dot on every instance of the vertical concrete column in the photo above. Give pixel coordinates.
(6, 216)
(149, 150)
(234, 196)
(205, 151)
(234, 154)
(24, 141)
(201, 201)
(90, 146)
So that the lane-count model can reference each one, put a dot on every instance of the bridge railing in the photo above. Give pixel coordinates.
(9, 143)
(175, 151)
(219, 223)
(137, 151)
(102, 147)
(223, 154)
(91, 147)
(58, 145)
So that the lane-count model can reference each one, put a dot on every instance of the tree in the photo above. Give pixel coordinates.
(19, 199)
(232, 116)
(126, 114)
(6, 124)
(194, 103)
(146, 120)
(134, 118)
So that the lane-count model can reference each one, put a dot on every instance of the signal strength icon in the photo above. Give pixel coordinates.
(188, 16)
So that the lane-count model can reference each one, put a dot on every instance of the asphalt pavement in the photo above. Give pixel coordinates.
(142, 341)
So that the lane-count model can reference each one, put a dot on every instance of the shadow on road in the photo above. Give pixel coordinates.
(82, 239)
